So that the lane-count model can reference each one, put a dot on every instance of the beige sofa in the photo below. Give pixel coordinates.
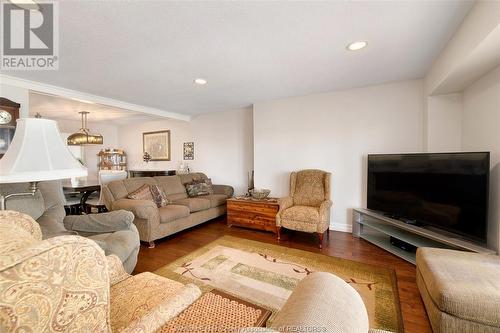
(154, 223)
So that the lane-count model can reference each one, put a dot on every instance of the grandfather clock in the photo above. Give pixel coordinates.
(9, 113)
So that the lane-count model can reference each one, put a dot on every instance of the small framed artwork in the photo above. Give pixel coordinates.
(188, 150)
(157, 145)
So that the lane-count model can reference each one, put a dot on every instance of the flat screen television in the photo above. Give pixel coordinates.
(448, 191)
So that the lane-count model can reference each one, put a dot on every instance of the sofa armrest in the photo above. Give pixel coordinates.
(284, 203)
(100, 223)
(323, 302)
(223, 189)
(142, 209)
(324, 210)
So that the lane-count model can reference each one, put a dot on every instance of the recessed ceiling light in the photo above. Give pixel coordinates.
(355, 46)
(200, 81)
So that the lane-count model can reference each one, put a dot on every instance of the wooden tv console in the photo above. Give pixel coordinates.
(377, 229)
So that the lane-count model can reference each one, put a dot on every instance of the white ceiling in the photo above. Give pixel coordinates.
(148, 52)
(57, 108)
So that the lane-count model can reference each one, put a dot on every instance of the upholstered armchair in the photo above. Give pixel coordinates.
(307, 208)
(114, 232)
(66, 284)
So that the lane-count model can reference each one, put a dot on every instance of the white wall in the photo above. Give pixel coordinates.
(481, 132)
(444, 123)
(18, 95)
(224, 146)
(110, 139)
(130, 139)
(334, 132)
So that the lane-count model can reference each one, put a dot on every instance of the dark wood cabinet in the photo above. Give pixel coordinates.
(151, 173)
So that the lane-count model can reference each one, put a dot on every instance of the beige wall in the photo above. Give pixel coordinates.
(444, 123)
(334, 132)
(130, 139)
(224, 146)
(481, 132)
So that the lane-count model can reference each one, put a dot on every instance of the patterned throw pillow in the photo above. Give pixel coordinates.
(142, 193)
(199, 187)
(159, 196)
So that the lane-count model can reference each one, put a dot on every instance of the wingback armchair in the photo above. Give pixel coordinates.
(307, 208)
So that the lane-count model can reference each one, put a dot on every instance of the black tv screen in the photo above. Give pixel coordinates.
(443, 190)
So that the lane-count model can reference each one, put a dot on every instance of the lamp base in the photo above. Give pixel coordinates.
(32, 190)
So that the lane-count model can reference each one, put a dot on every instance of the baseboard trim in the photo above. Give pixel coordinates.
(340, 227)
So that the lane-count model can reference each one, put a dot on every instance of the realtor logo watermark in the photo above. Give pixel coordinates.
(30, 34)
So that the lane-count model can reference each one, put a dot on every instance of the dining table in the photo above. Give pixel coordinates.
(85, 186)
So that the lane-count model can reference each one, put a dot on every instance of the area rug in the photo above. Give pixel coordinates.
(266, 274)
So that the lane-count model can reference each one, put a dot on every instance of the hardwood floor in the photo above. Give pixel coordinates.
(340, 244)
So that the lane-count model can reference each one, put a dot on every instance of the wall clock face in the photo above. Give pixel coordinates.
(5, 117)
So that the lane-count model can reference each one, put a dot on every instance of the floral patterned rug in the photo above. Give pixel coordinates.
(266, 274)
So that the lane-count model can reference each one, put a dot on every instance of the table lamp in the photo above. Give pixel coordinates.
(37, 153)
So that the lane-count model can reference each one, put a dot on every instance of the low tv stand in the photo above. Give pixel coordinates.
(378, 229)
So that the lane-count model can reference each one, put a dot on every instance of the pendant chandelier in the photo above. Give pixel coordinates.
(83, 136)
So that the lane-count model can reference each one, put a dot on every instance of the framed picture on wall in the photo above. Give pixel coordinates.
(157, 145)
(188, 150)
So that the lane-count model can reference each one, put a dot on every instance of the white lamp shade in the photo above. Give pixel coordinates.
(38, 153)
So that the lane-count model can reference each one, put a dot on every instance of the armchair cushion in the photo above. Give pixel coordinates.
(309, 187)
(306, 214)
(100, 223)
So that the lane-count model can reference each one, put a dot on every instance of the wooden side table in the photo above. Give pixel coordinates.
(252, 213)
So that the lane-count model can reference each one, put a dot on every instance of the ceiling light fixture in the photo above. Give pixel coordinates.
(25, 4)
(83, 136)
(356, 46)
(200, 81)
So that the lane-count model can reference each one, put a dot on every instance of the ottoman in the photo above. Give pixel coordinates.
(460, 290)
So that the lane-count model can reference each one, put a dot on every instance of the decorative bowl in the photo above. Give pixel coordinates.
(259, 193)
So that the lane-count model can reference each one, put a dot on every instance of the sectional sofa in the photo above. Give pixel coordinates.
(183, 212)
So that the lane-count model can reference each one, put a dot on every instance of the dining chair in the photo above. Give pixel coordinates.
(105, 176)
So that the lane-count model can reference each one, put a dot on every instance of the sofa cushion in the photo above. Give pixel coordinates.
(132, 184)
(172, 187)
(197, 188)
(193, 176)
(305, 214)
(194, 204)
(142, 193)
(216, 200)
(159, 197)
(171, 213)
(462, 284)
